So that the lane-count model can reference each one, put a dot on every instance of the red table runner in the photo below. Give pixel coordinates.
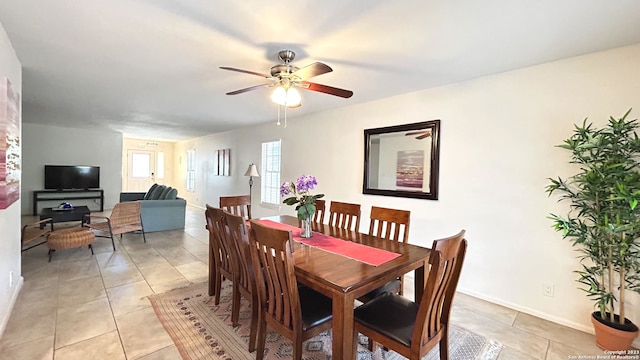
(366, 254)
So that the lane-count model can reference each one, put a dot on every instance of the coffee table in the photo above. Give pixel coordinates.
(76, 213)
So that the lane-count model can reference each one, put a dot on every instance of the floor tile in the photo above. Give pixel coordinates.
(84, 321)
(121, 274)
(29, 323)
(102, 347)
(168, 353)
(499, 313)
(508, 353)
(194, 272)
(169, 285)
(129, 297)
(560, 334)
(558, 351)
(74, 270)
(178, 256)
(75, 292)
(113, 258)
(70, 255)
(38, 349)
(517, 339)
(161, 273)
(37, 298)
(142, 333)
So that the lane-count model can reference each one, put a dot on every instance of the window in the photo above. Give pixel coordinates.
(270, 182)
(140, 165)
(160, 167)
(191, 170)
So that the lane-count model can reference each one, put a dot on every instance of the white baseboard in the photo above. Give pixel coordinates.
(12, 303)
(529, 311)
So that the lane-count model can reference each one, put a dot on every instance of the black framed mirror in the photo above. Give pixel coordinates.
(402, 160)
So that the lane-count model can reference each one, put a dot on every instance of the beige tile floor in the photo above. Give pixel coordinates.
(93, 307)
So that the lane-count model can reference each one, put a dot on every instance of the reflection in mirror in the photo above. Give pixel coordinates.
(402, 160)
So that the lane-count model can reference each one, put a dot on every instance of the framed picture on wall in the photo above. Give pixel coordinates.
(9, 144)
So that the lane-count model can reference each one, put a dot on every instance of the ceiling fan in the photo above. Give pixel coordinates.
(421, 134)
(287, 77)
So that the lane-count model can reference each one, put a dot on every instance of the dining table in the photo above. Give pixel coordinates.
(344, 265)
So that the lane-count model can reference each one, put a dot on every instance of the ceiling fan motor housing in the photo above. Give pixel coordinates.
(283, 70)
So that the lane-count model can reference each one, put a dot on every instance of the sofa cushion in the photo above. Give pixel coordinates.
(155, 195)
(172, 194)
(164, 192)
(148, 194)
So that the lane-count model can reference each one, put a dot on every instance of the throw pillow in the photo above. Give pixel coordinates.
(172, 194)
(148, 194)
(164, 193)
(155, 195)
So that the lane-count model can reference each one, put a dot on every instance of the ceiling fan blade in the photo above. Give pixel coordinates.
(315, 69)
(245, 71)
(416, 132)
(250, 88)
(423, 136)
(326, 89)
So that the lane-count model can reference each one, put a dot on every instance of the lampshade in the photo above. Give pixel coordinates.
(286, 97)
(252, 171)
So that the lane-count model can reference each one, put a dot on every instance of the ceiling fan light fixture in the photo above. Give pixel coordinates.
(286, 97)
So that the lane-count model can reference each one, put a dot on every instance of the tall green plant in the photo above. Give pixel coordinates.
(604, 220)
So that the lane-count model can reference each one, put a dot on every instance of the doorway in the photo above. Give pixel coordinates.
(140, 170)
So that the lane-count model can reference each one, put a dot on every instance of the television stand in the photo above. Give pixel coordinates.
(67, 195)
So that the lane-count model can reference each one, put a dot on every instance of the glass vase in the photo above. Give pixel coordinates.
(306, 228)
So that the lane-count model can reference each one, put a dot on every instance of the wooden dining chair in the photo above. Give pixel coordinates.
(298, 313)
(237, 205)
(393, 225)
(318, 216)
(413, 328)
(244, 277)
(390, 224)
(214, 251)
(223, 262)
(124, 218)
(344, 215)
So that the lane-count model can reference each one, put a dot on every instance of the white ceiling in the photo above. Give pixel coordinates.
(149, 68)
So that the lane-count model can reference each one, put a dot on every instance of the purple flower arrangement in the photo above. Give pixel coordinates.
(301, 195)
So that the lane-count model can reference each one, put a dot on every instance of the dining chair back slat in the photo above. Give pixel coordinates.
(318, 216)
(344, 215)
(237, 205)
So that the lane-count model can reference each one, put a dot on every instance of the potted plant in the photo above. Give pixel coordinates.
(301, 197)
(604, 221)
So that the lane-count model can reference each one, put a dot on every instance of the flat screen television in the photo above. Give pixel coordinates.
(65, 177)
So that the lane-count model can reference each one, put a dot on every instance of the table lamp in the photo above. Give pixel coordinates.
(252, 171)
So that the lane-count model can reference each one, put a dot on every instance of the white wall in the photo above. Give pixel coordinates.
(498, 137)
(10, 217)
(52, 145)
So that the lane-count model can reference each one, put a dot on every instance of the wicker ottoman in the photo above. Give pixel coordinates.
(70, 238)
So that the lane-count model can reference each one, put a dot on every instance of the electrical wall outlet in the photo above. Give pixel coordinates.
(547, 289)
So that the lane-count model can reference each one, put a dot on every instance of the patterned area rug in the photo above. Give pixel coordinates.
(202, 330)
